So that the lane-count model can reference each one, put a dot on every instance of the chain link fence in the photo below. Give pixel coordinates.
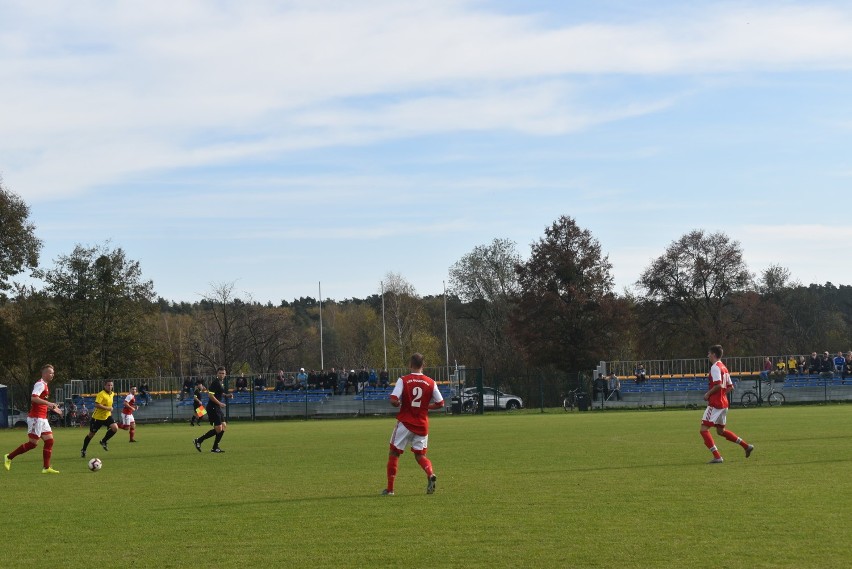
(467, 391)
(257, 396)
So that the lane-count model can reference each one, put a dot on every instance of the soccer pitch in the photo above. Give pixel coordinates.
(597, 489)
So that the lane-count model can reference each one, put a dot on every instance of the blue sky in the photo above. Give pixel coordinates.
(280, 144)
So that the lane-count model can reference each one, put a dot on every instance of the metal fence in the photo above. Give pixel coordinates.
(752, 390)
(469, 391)
(699, 366)
(683, 384)
(170, 399)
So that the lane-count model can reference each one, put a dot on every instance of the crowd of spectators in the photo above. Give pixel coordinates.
(825, 363)
(839, 364)
(340, 382)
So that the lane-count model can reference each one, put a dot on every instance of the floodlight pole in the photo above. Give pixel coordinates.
(322, 360)
(384, 331)
(446, 331)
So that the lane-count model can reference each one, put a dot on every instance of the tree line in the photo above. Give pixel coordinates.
(550, 314)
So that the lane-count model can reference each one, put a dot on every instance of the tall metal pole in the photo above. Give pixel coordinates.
(384, 332)
(446, 331)
(322, 357)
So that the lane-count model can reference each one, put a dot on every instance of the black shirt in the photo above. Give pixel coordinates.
(199, 389)
(217, 390)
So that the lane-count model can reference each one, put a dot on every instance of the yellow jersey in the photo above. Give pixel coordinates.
(104, 399)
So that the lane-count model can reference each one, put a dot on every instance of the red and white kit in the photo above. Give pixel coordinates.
(717, 406)
(415, 392)
(127, 410)
(37, 424)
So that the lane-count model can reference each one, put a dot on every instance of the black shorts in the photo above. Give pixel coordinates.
(98, 423)
(215, 415)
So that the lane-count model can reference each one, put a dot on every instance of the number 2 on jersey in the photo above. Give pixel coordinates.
(416, 396)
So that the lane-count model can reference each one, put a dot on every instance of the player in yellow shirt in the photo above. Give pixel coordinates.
(101, 417)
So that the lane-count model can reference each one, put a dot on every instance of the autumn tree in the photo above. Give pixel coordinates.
(28, 340)
(564, 309)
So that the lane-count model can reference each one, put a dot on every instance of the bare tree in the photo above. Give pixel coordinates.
(487, 285)
(403, 314)
(219, 320)
(270, 334)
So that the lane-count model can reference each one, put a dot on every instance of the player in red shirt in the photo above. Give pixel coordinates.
(37, 425)
(720, 385)
(128, 422)
(415, 394)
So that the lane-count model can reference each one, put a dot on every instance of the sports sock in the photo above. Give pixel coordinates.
(86, 441)
(47, 452)
(26, 447)
(708, 442)
(207, 435)
(219, 436)
(109, 434)
(425, 464)
(734, 438)
(132, 433)
(393, 466)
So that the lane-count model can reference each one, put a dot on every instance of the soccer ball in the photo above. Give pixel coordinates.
(95, 464)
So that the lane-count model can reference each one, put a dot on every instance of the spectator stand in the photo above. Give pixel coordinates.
(684, 382)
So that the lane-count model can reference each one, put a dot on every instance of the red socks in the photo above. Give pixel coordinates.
(393, 466)
(734, 438)
(708, 442)
(47, 452)
(26, 447)
(425, 464)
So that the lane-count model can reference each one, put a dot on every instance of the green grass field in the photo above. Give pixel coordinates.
(598, 489)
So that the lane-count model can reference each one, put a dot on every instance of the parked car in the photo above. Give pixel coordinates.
(17, 418)
(490, 395)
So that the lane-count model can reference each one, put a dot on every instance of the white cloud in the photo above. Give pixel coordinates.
(95, 93)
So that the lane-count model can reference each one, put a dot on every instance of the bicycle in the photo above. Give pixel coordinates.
(752, 397)
(55, 419)
(471, 405)
(570, 400)
(80, 418)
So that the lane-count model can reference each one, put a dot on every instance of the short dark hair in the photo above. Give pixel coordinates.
(416, 361)
(220, 368)
(717, 351)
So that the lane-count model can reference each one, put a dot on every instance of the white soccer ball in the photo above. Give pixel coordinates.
(95, 464)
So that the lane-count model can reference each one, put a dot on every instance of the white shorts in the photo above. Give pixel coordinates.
(38, 427)
(402, 437)
(713, 416)
(127, 419)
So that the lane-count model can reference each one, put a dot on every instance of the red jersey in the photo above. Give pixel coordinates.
(415, 392)
(39, 390)
(129, 403)
(719, 376)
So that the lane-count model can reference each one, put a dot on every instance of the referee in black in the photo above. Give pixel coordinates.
(215, 412)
